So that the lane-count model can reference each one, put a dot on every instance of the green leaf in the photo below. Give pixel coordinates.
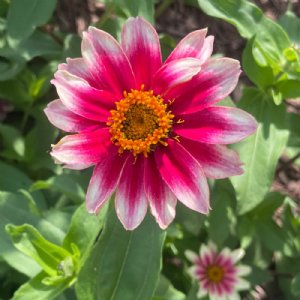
(291, 23)
(37, 154)
(72, 44)
(11, 63)
(266, 209)
(64, 183)
(15, 208)
(166, 291)
(21, 181)
(221, 202)
(249, 20)
(190, 220)
(135, 8)
(258, 276)
(13, 142)
(30, 242)
(272, 236)
(84, 230)
(289, 88)
(246, 17)
(25, 15)
(124, 264)
(261, 151)
(296, 285)
(39, 44)
(291, 266)
(35, 289)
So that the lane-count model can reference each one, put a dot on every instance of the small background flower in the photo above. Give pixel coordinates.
(217, 273)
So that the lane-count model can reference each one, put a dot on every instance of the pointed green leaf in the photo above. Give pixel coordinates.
(84, 229)
(29, 241)
(35, 289)
(124, 265)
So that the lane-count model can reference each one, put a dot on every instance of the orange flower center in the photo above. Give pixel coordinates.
(140, 121)
(215, 273)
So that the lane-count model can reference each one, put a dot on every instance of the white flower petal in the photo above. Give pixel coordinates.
(191, 256)
(243, 270)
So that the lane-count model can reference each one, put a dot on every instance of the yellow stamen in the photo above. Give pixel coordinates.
(215, 273)
(140, 121)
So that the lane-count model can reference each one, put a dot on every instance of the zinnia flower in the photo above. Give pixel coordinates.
(150, 128)
(217, 273)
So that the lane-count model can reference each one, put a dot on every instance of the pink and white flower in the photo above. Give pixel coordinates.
(218, 274)
(151, 129)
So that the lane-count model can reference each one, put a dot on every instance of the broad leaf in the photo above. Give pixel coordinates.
(84, 230)
(262, 76)
(166, 291)
(221, 201)
(124, 265)
(249, 20)
(25, 15)
(261, 151)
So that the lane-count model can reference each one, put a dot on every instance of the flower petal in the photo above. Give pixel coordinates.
(140, 43)
(82, 99)
(130, 200)
(217, 125)
(201, 293)
(64, 119)
(234, 296)
(216, 80)
(191, 256)
(77, 67)
(162, 201)
(243, 270)
(237, 255)
(107, 62)
(79, 151)
(217, 161)
(194, 45)
(183, 175)
(242, 284)
(104, 180)
(175, 72)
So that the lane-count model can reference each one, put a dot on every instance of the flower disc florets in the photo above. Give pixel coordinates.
(140, 121)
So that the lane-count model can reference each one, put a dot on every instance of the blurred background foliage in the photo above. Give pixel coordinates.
(50, 248)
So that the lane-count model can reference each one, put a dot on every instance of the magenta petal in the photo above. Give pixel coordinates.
(79, 151)
(131, 203)
(77, 67)
(64, 119)
(140, 43)
(194, 45)
(217, 125)
(104, 180)
(184, 175)
(217, 161)
(107, 62)
(161, 199)
(174, 73)
(216, 80)
(82, 99)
